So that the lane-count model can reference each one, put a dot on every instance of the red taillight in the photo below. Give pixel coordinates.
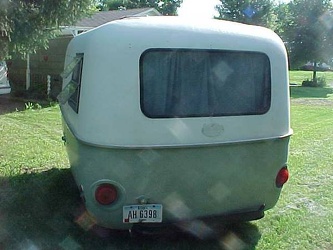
(282, 177)
(106, 194)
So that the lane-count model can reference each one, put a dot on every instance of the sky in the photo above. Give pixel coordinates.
(198, 8)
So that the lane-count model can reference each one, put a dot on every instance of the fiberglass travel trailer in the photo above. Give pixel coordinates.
(167, 120)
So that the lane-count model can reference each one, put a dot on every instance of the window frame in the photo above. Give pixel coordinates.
(267, 90)
(71, 92)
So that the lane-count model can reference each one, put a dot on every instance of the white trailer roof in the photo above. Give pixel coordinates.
(110, 114)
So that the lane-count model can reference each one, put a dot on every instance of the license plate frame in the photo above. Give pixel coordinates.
(146, 213)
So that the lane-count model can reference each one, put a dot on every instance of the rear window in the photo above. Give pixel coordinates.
(204, 83)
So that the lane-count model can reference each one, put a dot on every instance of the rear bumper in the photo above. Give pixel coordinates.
(200, 227)
(239, 216)
(232, 217)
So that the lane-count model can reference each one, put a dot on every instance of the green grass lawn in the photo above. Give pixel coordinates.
(40, 208)
(303, 217)
(297, 76)
(31, 141)
(309, 92)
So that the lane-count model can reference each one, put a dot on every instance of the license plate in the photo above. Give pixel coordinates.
(148, 213)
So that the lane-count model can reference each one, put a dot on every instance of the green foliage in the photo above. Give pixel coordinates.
(32, 106)
(307, 31)
(283, 20)
(26, 26)
(306, 26)
(259, 12)
(165, 7)
(317, 82)
(37, 91)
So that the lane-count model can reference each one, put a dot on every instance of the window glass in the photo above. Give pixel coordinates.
(70, 67)
(71, 92)
(191, 83)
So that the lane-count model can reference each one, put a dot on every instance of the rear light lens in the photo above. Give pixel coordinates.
(106, 194)
(282, 177)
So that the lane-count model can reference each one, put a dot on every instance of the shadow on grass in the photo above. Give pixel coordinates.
(310, 92)
(9, 105)
(40, 211)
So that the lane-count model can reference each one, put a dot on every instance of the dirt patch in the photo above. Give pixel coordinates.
(312, 101)
(9, 104)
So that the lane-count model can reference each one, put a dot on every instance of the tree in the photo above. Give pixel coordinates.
(258, 12)
(165, 7)
(308, 34)
(283, 20)
(26, 25)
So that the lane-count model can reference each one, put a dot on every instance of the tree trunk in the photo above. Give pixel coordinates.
(314, 74)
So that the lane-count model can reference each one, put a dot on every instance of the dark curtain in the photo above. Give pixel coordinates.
(190, 83)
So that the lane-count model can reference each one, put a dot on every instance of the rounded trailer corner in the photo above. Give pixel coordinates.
(165, 129)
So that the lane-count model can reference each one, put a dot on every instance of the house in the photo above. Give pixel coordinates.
(103, 17)
(31, 74)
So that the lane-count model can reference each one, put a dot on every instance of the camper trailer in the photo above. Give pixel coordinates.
(168, 120)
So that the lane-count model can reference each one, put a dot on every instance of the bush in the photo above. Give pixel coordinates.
(318, 82)
(37, 91)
